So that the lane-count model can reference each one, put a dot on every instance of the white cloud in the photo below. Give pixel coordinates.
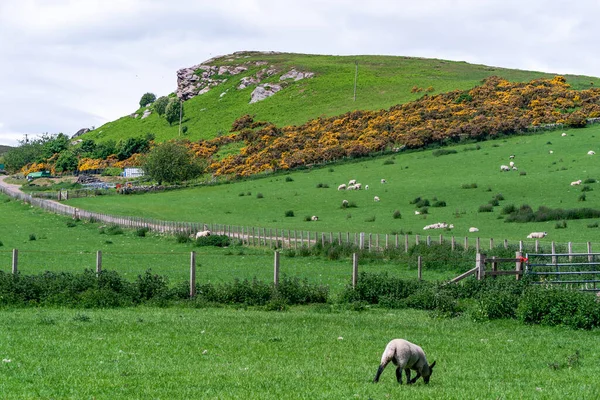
(70, 64)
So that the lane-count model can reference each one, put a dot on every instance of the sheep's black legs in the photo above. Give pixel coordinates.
(379, 371)
(399, 375)
(416, 377)
(407, 370)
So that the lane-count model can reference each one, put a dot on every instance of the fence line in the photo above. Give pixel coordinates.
(276, 237)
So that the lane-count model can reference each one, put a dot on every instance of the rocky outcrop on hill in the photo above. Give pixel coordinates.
(80, 132)
(201, 78)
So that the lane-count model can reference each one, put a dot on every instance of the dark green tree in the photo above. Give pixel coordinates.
(147, 98)
(160, 105)
(130, 146)
(67, 161)
(173, 110)
(171, 162)
(105, 149)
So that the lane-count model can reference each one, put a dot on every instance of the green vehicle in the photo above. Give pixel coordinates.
(41, 174)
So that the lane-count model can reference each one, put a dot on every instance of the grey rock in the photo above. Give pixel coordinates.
(263, 91)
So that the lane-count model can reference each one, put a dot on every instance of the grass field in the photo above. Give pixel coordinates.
(306, 353)
(547, 164)
(61, 248)
(383, 81)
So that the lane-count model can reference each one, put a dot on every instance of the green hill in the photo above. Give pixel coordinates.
(4, 149)
(382, 82)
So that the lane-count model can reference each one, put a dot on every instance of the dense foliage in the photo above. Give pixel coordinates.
(171, 162)
(147, 98)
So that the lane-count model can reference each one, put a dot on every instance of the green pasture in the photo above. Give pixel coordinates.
(319, 352)
(547, 163)
(60, 248)
(383, 81)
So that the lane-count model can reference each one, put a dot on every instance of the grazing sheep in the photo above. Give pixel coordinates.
(511, 156)
(504, 168)
(575, 183)
(511, 164)
(537, 235)
(342, 186)
(405, 356)
(591, 153)
(352, 182)
(314, 218)
(344, 203)
(366, 187)
(473, 229)
(551, 152)
(358, 186)
(438, 225)
(376, 198)
(202, 234)
(351, 187)
(417, 212)
(515, 168)
(563, 134)
(383, 181)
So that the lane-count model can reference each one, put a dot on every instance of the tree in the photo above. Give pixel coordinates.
(130, 146)
(173, 110)
(67, 161)
(147, 98)
(160, 105)
(171, 162)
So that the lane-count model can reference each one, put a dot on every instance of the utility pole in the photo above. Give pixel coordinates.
(355, 77)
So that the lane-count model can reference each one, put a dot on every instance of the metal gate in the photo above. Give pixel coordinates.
(574, 270)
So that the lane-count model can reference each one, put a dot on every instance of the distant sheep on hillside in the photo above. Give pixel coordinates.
(563, 134)
(202, 234)
(473, 229)
(342, 186)
(537, 235)
(383, 181)
(352, 182)
(577, 182)
(314, 218)
(376, 198)
(591, 153)
(504, 168)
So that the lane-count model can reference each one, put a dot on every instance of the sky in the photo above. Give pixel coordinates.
(72, 64)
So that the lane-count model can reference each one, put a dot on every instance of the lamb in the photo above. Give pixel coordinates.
(511, 164)
(504, 168)
(575, 183)
(366, 187)
(376, 198)
(591, 153)
(352, 182)
(417, 212)
(511, 156)
(473, 229)
(314, 218)
(342, 186)
(351, 187)
(203, 233)
(537, 235)
(344, 203)
(563, 134)
(405, 356)
(383, 181)
(357, 186)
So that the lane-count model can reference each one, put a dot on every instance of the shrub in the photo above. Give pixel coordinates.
(586, 188)
(1, 244)
(71, 224)
(508, 209)
(561, 225)
(424, 210)
(289, 179)
(259, 195)
(469, 186)
(322, 186)
(147, 98)
(307, 218)
(370, 219)
(422, 203)
(151, 285)
(590, 180)
(582, 197)
(397, 214)
(141, 232)
(289, 213)
(182, 238)
(443, 152)
(494, 202)
(499, 197)
(111, 230)
(32, 236)
(439, 203)
(112, 171)
(389, 162)
(214, 240)
(522, 173)
(486, 208)
(594, 225)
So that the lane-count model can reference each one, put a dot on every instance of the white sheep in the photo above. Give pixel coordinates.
(383, 181)
(473, 229)
(405, 356)
(342, 186)
(504, 168)
(511, 164)
(352, 182)
(537, 235)
(417, 212)
(563, 134)
(591, 153)
(438, 225)
(203, 233)
(551, 152)
(366, 187)
(344, 203)
(376, 198)
(358, 186)
(314, 218)
(511, 156)
(351, 187)
(575, 183)
(515, 168)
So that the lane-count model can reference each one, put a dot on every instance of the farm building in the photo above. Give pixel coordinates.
(40, 174)
(133, 172)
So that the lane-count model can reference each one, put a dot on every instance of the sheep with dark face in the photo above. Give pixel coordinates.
(405, 356)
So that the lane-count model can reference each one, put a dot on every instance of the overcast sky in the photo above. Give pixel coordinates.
(72, 64)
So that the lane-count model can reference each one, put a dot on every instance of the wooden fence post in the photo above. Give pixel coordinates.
(361, 243)
(589, 250)
(192, 275)
(494, 266)
(406, 243)
(276, 269)
(477, 248)
(354, 270)
(480, 264)
(419, 267)
(570, 250)
(554, 259)
(521, 246)
(453, 243)
(98, 262)
(491, 243)
(15, 261)
(428, 240)
(416, 240)
(519, 264)
(466, 243)
(506, 243)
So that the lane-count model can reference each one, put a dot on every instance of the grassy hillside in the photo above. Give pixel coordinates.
(4, 149)
(383, 81)
(547, 164)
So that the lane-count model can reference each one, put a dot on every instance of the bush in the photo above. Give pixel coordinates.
(147, 98)
(322, 186)
(289, 213)
(214, 240)
(1, 244)
(151, 286)
(289, 179)
(590, 180)
(469, 186)
(486, 208)
(508, 209)
(71, 224)
(259, 195)
(422, 203)
(594, 225)
(560, 225)
(397, 214)
(389, 162)
(582, 197)
(112, 230)
(32, 236)
(141, 232)
(439, 203)
(443, 152)
(586, 188)
(182, 238)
